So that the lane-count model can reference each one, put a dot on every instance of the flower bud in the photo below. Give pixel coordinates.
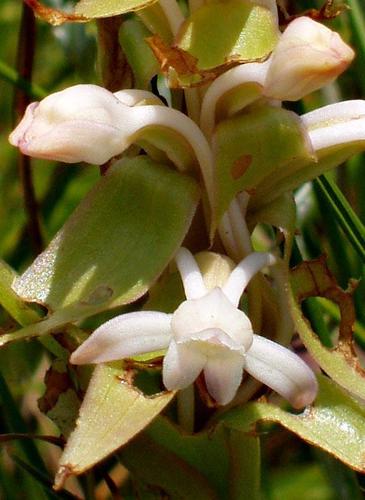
(307, 57)
(81, 123)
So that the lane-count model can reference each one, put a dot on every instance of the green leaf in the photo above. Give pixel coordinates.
(343, 213)
(342, 479)
(114, 245)
(107, 8)
(110, 415)
(245, 466)
(301, 481)
(228, 31)
(335, 423)
(10, 301)
(206, 452)
(157, 466)
(254, 146)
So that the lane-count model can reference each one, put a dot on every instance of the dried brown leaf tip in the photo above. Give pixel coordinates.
(314, 279)
(60, 402)
(180, 67)
(329, 10)
(54, 16)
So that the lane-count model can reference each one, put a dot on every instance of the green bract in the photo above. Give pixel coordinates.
(222, 32)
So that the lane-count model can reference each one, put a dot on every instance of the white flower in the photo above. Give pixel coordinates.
(81, 123)
(88, 123)
(208, 333)
(307, 57)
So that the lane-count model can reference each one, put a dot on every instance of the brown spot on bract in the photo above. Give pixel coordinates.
(240, 166)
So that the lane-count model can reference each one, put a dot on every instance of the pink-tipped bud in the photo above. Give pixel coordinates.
(81, 123)
(307, 57)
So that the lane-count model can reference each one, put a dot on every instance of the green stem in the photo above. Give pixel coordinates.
(185, 408)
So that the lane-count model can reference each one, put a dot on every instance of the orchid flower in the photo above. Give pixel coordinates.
(207, 333)
(89, 123)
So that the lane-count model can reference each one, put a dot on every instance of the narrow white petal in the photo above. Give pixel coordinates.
(124, 336)
(336, 124)
(190, 274)
(231, 79)
(332, 113)
(223, 375)
(282, 370)
(181, 365)
(245, 270)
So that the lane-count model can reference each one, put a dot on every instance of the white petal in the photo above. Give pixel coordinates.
(124, 336)
(181, 366)
(245, 270)
(212, 312)
(131, 97)
(336, 124)
(223, 376)
(234, 78)
(190, 274)
(282, 370)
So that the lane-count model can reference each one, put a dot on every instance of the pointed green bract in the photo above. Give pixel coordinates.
(107, 8)
(335, 423)
(229, 31)
(117, 241)
(113, 247)
(110, 415)
(300, 173)
(253, 146)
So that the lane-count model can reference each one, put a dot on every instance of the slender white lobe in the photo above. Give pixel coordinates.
(337, 112)
(181, 365)
(243, 272)
(282, 370)
(336, 124)
(124, 336)
(231, 79)
(223, 376)
(190, 274)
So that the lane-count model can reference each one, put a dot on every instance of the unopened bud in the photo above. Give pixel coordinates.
(307, 57)
(81, 123)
